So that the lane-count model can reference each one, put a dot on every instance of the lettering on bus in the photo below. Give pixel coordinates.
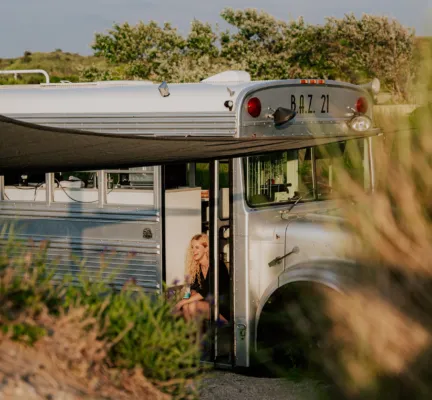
(307, 104)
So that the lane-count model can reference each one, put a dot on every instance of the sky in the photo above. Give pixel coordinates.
(46, 25)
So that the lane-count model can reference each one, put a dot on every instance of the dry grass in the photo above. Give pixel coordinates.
(379, 345)
(61, 342)
(70, 362)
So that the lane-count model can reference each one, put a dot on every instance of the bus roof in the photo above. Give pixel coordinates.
(117, 97)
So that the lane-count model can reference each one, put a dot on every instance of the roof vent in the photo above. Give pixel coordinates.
(229, 76)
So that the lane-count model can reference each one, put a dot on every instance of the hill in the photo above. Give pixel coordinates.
(59, 65)
(67, 66)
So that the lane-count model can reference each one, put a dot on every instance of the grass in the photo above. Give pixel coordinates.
(379, 342)
(59, 65)
(90, 340)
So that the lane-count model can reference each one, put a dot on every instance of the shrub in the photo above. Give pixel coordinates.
(137, 332)
(379, 339)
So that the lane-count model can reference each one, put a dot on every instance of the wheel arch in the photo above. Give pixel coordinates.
(337, 275)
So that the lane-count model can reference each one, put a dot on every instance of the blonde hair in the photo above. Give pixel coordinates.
(192, 266)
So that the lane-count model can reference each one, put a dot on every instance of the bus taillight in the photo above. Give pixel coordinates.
(362, 105)
(254, 107)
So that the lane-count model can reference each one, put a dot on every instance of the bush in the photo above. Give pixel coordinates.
(138, 332)
(350, 49)
(379, 342)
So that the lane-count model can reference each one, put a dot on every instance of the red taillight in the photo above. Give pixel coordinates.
(312, 81)
(362, 105)
(254, 107)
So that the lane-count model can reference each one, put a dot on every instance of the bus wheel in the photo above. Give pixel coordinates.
(294, 330)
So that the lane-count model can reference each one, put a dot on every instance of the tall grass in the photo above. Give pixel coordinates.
(90, 339)
(378, 336)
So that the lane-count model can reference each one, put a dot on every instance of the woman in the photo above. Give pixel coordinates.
(199, 271)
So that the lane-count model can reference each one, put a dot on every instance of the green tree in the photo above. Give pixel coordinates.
(148, 50)
(260, 43)
(348, 49)
(373, 46)
(202, 41)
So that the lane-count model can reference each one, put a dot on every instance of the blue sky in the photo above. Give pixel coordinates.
(44, 25)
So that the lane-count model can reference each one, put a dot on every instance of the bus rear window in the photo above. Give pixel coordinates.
(305, 174)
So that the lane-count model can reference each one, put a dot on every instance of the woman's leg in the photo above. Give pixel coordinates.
(186, 312)
(198, 309)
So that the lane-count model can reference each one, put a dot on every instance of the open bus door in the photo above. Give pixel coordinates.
(213, 216)
(220, 226)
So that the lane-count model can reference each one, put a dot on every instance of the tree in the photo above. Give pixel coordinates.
(348, 49)
(373, 46)
(201, 41)
(261, 43)
(148, 50)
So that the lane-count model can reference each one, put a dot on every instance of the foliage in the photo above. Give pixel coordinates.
(140, 330)
(147, 49)
(164, 346)
(201, 41)
(372, 46)
(260, 42)
(59, 65)
(376, 337)
(350, 49)
(25, 289)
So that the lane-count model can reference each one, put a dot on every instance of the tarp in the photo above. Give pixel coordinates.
(28, 147)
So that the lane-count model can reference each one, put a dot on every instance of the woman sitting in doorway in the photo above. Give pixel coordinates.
(199, 272)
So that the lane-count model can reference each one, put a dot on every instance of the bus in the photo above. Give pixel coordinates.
(270, 217)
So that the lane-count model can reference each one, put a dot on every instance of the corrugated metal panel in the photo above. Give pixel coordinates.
(113, 236)
(132, 261)
(159, 124)
(67, 211)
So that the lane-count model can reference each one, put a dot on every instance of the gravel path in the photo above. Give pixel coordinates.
(222, 385)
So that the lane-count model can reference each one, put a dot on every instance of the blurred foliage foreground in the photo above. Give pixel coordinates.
(70, 342)
(375, 340)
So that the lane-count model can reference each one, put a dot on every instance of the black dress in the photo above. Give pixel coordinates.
(206, 291)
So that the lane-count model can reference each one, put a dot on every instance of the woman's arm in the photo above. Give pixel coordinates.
(195, 297)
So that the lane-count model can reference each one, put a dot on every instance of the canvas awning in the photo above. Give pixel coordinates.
(29, 147)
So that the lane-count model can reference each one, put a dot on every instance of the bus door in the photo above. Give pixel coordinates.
(220, 219)
(197, 199)
(181, 215)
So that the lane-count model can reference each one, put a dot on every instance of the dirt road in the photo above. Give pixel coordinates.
(222, 385)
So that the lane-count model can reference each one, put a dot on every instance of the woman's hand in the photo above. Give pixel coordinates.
(195, 297)
(180, 305)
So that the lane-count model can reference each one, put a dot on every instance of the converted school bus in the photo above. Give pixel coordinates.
(268, 210)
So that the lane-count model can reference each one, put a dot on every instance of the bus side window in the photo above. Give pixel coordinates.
(24, 187)
(75, 187)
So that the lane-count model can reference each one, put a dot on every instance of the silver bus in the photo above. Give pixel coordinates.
(269, 217)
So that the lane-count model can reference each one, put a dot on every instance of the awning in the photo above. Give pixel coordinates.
(28, 147)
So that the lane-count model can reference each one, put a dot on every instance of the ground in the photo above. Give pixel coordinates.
(223, 385)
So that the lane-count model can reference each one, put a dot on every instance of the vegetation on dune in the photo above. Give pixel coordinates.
(350, 49)
(374, 340)
(60, 66)
(89, 339)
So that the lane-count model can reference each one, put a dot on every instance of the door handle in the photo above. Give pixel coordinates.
(278, 260)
